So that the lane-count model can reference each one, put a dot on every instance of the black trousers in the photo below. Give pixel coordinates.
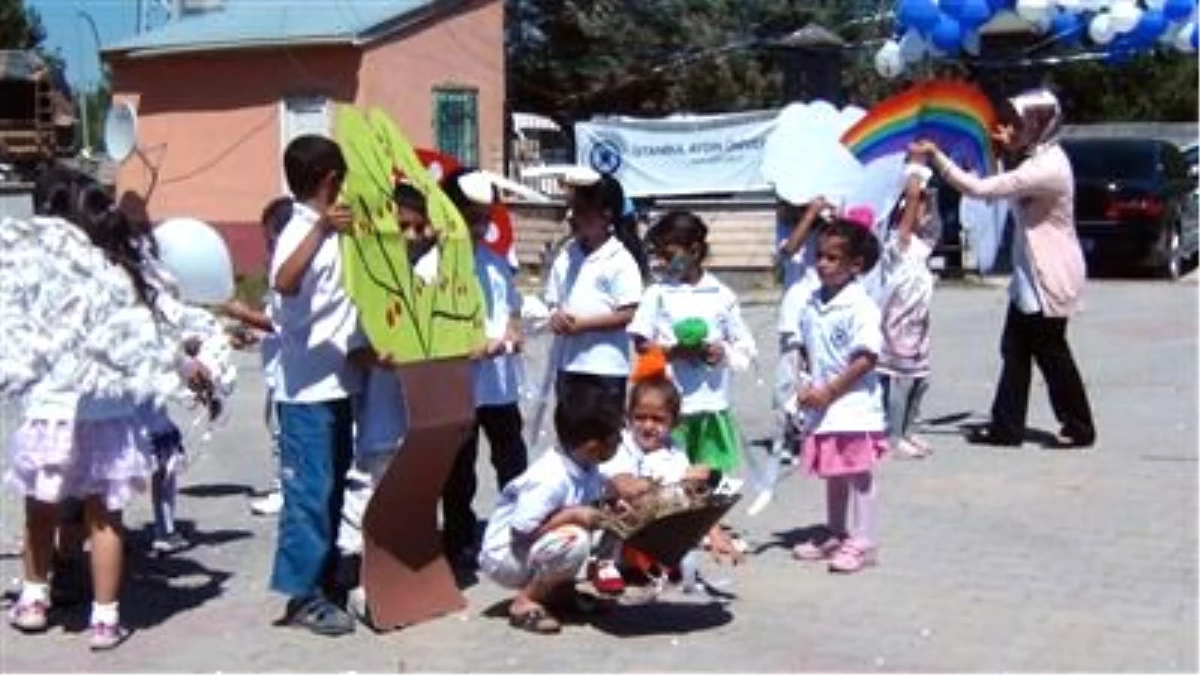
(1035, 338)
(614, 386)
(502, 424)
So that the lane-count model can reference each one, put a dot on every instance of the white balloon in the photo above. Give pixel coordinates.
(1183, 38)
(1101, 29)
(197, 257)
(1125, 15)
(1155, 4)
(1096, 5)
(912, 46)
(1033, 11)
(888, 62)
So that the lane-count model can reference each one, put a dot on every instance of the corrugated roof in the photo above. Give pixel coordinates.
(240, 24)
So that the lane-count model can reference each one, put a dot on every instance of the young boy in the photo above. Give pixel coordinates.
(315, 321)
(497, 393)
(539, 538)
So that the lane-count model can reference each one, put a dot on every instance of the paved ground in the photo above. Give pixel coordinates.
(992, 560)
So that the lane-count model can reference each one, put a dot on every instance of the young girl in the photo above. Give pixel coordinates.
(696, 321)
(80, 437)
(593, 289)
(839, 331)
(648, 457)
(905, 304)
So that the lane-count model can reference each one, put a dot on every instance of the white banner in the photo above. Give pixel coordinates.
(679, 155)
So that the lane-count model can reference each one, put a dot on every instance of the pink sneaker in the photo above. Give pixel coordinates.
(852, 557)
(814, 550)
(29, 617)
(106, 636)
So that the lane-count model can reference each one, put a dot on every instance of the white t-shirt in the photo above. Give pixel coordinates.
(666, 465)
(795, 299)
(268, 346)
(704, 388)
(553, 482)
(600, 282)
(496, 380)
(315, 324)
(832, 333)
(380, 413)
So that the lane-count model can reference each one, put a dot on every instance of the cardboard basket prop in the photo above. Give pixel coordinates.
(670, 520)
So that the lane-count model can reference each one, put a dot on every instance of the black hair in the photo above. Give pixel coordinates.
(661, 385)
(589, 414)
(407, 196)
(80, 199)
(860, 240)
(607, 195)
(681, 228)
(277, 214)
(308, 160)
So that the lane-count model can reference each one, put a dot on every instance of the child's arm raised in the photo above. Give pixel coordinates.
(287, 277)
(800, 233)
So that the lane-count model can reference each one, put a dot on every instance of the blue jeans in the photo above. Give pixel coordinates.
(315, 450)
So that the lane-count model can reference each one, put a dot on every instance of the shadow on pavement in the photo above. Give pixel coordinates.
(787, 539)
(216, 490)
(660, 617)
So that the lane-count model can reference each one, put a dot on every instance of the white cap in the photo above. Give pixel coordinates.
(581, 175)
(476, 186)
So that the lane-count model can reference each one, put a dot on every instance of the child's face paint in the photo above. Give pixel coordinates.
(651, 421)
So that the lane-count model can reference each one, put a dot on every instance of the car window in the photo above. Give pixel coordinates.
(1112, 160)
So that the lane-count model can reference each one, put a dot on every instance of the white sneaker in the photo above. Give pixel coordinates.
(269, 505)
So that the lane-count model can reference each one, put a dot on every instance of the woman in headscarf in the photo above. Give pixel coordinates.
(1048, 269)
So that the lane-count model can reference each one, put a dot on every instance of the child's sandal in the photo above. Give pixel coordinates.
(852, 557)
(535, 620)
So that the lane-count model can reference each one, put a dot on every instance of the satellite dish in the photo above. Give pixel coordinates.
(120, 131)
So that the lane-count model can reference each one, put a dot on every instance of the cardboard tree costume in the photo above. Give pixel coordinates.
(426, 318)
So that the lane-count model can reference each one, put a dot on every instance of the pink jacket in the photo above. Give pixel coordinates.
(1042, 193)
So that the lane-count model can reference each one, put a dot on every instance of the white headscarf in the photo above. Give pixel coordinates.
(1041, 119)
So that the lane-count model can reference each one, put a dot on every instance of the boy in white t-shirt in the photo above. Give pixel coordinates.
(497, 389)
(315, 321)
(539, 537)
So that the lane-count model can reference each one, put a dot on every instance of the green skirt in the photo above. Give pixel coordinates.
(710, 438)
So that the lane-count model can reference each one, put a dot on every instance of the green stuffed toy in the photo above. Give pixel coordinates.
(691, 333)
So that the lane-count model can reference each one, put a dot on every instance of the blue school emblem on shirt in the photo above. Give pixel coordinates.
(604, 285)
(840, 336)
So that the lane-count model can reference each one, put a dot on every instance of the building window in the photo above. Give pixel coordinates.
(456, 123)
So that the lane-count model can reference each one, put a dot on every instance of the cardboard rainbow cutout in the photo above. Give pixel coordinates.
(404, 317)
(955, 115)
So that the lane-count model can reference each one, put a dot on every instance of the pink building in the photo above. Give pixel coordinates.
(220, 92)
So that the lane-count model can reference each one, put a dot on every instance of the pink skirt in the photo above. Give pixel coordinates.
(841, 454)
(54, 460)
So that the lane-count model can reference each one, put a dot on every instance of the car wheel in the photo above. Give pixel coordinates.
(1172, 266)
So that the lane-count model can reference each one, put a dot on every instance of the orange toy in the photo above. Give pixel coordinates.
(650, 364)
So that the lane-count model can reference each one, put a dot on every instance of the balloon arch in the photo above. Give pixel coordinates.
(1115, 30)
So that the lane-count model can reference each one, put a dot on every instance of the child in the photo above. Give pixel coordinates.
(315, 321)
(701, 368)
(648, 457)
(800, 280)
(839, 331)
(538, 539)
(86, 446)
(274, 218)
(593, 289)
(497, 393)
(907, 294)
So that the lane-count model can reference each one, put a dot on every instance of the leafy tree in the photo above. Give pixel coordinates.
(20, 27)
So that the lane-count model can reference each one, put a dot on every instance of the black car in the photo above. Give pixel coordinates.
(1132, 203)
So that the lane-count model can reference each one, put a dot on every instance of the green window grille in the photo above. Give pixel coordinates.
(456, 123)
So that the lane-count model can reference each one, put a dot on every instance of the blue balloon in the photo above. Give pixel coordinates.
(1002, 5)
(1121, 50)
(1149, 27)
(1178, 10)
(924, 14)
(1066, 28)
(952, 8)
(946, 35)
(1195, 34)
(974, 14)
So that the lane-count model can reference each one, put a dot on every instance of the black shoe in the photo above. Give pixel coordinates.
(317, 615)
(1065, 441)
(987, 435)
